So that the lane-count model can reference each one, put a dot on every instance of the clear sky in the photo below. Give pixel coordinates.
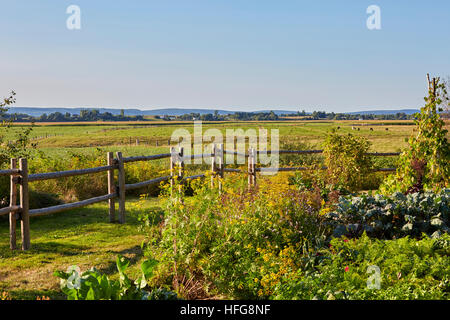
(232, 54)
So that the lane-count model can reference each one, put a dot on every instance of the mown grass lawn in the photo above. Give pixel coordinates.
(82, 237)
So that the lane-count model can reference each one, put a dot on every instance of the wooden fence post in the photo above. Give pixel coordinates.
(121, 178)
(249, 170)
(221, 165)
(111, 188)
(181, 168)
(213, 164)
(254, 152)
(172, 165)
(181, 172)
(13, 202)
(24, 204)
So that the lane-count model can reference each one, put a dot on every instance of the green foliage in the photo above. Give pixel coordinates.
(271, 242)
(217, 239)
(409, 269)
(393, 216)
(346, 160)
(17, 146)
(92, 285)
(315, 180)
(426, 163)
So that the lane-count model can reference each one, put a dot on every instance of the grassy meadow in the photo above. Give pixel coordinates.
(387, 136)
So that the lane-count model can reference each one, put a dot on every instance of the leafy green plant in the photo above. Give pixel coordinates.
(409, 269)
(92, 285)
(426, 163)
(392, 216)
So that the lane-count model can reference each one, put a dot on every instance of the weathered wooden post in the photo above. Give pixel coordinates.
(249, 167)
(156, 142)
(111, 187)
(213, 164)
(181, 168)
(254, 154)
(121, 180)
(24, 204)
(221, 165)
(13, 202)
(137, 141)
(181, 173)
(172, 166)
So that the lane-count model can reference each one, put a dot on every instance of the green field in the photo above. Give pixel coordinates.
(311, 132)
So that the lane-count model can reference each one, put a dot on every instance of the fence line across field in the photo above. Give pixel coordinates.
(19, 179)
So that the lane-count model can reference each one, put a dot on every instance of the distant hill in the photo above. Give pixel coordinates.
(38, 111)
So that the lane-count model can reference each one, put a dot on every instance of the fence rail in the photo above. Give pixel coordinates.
(71, 173)
(69, 206)
(9, 172)
(19, 177)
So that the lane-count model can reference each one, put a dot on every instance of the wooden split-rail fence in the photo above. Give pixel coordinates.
(19, 210)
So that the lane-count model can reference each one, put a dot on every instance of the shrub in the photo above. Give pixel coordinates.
(346, 160)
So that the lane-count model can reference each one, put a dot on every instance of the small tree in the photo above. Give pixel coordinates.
(346, 160)
(18, 146)
(5, 122)
(426, 163)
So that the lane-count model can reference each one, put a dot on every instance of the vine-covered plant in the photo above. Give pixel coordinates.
(426, 163)
(346, 160)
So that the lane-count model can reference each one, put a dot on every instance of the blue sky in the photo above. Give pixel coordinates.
(236, 55)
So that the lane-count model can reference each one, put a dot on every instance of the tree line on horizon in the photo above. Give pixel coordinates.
(96, 115)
